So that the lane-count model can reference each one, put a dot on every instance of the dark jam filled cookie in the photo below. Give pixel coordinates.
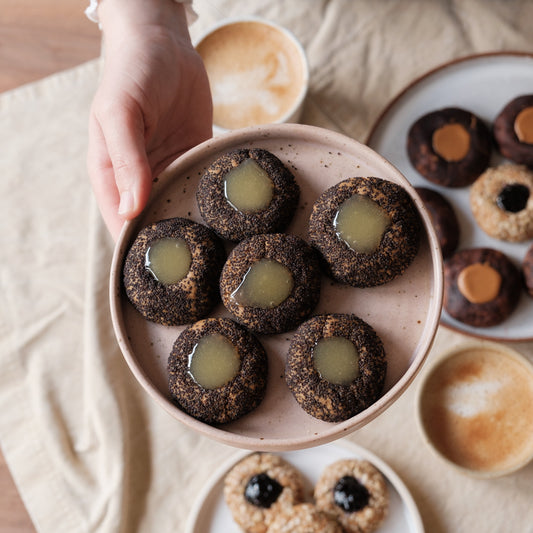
(450, 147)
(355, 492)
(367, 230)
(247, 192)
(217, 371)
(171, 271)
(481, 287)
(513, 130)
(501, 200)
(271, 283)
(260, 487)
(336, 366)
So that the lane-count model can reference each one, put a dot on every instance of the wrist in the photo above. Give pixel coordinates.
(122, 17)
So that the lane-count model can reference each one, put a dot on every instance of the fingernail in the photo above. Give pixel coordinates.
(126, 203)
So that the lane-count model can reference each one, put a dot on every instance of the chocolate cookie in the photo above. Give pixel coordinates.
(336, 366)
(247, 192)
(260, 487)
(527, 270)
(217, 371)
(481, 287)
(355, 492)
(513, 130)
(501, 200)
(367, 230)
(171, 271)
(444, 219)
(450, 147)
(271, 283)
(304, 518)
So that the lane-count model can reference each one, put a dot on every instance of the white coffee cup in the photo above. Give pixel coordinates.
(475, 409)
(257, 70)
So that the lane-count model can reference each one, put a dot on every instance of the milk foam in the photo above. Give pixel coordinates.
(258, 86)
(472, 399)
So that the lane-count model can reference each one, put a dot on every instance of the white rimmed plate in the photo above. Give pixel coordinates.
(482, 84)
(210, 513)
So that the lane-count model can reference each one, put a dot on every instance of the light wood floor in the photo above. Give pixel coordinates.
(38, 38)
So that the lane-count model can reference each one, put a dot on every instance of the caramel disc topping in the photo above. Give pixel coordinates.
(479, 283)
(523, 125)
(451, 142)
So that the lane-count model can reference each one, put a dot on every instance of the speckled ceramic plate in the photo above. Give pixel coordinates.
(405, 313)
(210, 513)
(482, 84)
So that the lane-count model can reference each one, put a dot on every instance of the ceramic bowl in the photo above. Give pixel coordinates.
(405, 312)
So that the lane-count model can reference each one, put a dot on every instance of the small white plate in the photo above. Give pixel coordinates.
(482, 84)
(210, 513)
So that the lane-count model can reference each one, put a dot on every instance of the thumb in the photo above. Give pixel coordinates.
(125, 141)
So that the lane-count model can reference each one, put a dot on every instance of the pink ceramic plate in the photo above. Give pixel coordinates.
(405, 313)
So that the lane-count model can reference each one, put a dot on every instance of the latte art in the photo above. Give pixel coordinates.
(257, 73)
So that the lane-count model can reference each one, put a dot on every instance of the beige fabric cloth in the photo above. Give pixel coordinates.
(89, 451)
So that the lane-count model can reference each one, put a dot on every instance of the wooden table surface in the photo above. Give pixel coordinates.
(38, 38)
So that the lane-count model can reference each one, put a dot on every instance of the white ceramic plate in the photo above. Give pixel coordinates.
(482, 84)
(210, 513)
(405, 312)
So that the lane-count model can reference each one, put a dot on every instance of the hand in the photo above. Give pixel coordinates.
(153, 103)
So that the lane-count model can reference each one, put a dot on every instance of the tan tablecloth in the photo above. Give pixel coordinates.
(88, 450)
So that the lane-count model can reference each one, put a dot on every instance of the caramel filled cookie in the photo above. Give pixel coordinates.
(271, 283)
(481, 287)
(304, 518)
(247, 192)
(367, 230)
(444, 219)
(217, 371)
(513, 130)
(260, 487)
(355, 492)
(501, 200)
(171, 271)
(450, 147)
(336, 366)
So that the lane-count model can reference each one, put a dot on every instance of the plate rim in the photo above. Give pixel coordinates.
(359, 451)
(451, 325)
(335, 431)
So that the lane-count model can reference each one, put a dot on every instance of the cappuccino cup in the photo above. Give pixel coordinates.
(475, 409)
(257, 71)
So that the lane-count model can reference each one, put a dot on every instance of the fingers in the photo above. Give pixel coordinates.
(102, 179)
(118, 165)
(124, 137)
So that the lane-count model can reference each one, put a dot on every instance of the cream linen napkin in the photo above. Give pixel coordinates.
(89, 451)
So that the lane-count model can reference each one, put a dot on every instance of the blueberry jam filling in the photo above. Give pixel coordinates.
(350, 495)
(262, 490)
(513, 197)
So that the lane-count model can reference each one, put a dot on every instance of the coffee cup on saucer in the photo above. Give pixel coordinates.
(257, 71)
(475, 409)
